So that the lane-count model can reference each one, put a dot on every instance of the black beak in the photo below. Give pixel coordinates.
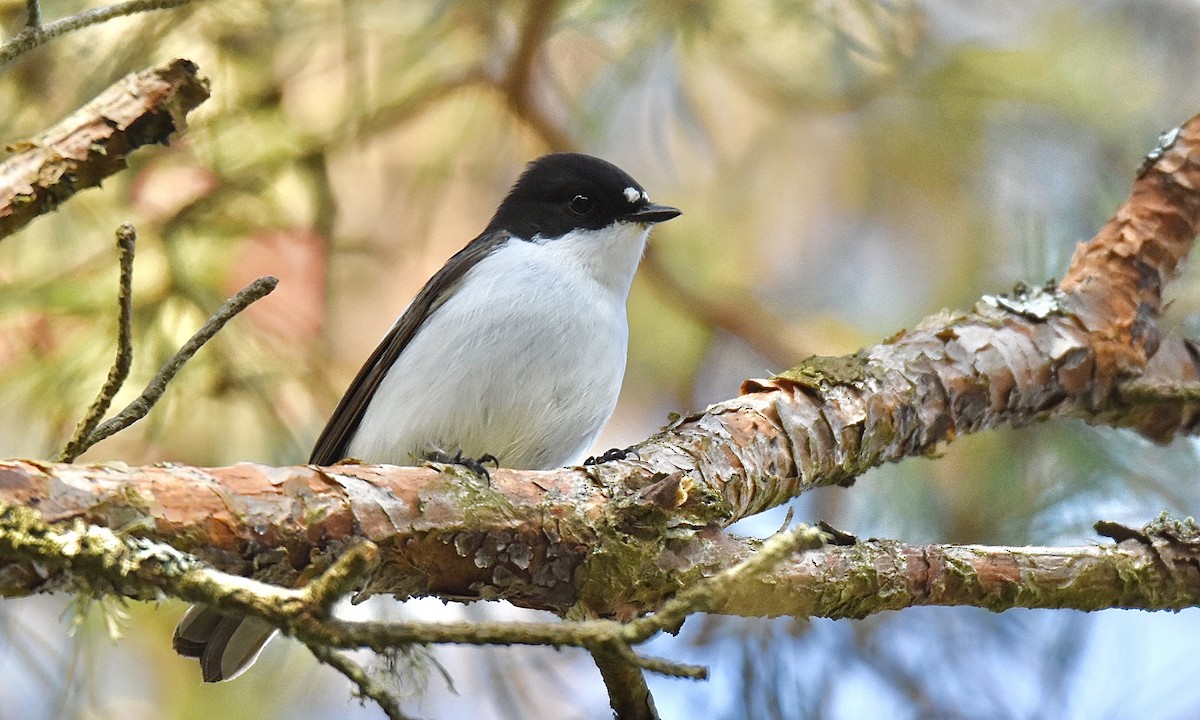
(652, 214)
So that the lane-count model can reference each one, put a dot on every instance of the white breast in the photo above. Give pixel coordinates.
(524, 361)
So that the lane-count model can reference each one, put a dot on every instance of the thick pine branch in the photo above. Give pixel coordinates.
(617, 539)
(794, 576)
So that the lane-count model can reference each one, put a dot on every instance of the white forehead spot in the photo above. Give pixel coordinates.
(633, 195)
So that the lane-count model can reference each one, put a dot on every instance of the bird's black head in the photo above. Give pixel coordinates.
(562, 192)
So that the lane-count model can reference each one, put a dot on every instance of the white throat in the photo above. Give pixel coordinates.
(609, 256)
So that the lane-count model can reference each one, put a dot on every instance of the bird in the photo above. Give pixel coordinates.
(513, 353)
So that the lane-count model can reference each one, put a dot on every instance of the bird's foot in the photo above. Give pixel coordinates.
(350, 461)
(475, 465)
(614, 454)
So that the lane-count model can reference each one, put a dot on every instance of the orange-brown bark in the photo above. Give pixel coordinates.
(616, 539)
(1011, 361)
(141, 108)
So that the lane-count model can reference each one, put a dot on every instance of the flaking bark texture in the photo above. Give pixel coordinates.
(141, 108)
(285, 525)
(1013, 360)
(448, 534)
(614, 540)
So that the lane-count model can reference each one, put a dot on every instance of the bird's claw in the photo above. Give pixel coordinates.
(609, 455)
(475, 465)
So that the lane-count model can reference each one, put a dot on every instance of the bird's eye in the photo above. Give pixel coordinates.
(580, 204)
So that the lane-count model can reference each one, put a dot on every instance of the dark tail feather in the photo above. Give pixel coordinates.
(226, 643)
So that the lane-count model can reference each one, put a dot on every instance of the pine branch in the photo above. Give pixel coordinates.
(143, 108)
(563, 549)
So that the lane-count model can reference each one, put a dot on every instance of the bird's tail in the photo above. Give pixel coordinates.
(226, 643)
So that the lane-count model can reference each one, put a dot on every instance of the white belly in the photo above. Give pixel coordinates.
(524, 362)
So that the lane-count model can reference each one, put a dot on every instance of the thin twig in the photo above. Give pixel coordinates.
(36, 34)
(341, 577)
(126, 240)
(669, 668)
(621, 668)
(628, 695)
(1150, 392)
(33, 14)
(706, 594)
(367, 685)
(137, 409)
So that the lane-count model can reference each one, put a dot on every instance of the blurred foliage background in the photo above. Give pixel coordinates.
(845, 168)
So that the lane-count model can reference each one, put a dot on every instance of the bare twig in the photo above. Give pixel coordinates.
(126, 239)
(33, 14)
(367, 686)
(137, 409)
(670, 668)
(621, 667)
(712, 592)
(628, 694)
(103, 560)
(35, 34)
(181, 505)
(341, 578)
(1152, 392)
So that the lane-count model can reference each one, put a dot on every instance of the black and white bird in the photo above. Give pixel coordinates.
(514, 351)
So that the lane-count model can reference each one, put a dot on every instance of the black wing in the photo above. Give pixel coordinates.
(331, 445)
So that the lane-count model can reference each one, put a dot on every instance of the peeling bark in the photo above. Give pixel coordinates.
(1015, 359)
(616, 539)
(1151, 568)
(447, 534)
(140, 109)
